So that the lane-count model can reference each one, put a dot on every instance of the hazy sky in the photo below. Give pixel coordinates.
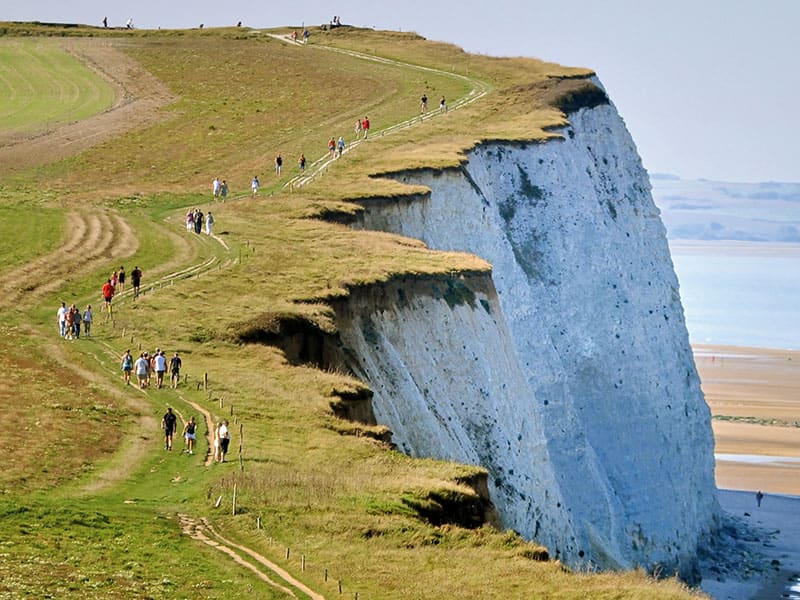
(708, 88)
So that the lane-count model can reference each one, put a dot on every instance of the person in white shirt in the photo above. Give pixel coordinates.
(61, 319)
(161, 368)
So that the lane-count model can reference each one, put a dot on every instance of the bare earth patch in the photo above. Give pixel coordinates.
(139, 98)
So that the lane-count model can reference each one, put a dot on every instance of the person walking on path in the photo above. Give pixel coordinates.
(136, 280)
(759, 497)
(70, 323)
(301, 162)
(198, 221)
(357, 128)
(142, 368)
(215, 186)
(340, 146)
(168, 423)
(121, 278)
(77, 317)
(423, 104)
(190, 221)
(175, 370)
(217, 446)
(224, 440)
(61, 319)
(365, 126)
(254, 185)
(87, 320)
(278, 164)
(331, 147)
(108, 294)
(160, 368)
(209, 223)
(443, 105)
(126, 363)
(190, 434)
(223, 190)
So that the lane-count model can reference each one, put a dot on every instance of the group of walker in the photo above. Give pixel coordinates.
(221, 442)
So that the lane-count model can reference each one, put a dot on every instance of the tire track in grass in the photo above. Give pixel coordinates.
(202, 531)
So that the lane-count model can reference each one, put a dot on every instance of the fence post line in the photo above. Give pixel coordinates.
(303, 562)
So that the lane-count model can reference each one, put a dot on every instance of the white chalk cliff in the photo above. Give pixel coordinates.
(567, 373)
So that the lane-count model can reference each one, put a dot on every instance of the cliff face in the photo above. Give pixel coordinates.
(568, 374)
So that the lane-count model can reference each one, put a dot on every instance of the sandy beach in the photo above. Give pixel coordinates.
(754, 396)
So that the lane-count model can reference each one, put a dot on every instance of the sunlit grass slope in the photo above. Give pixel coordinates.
(41, 86)
(90, 500)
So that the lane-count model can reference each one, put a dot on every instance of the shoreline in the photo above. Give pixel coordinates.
(754, 397)
(769, 551)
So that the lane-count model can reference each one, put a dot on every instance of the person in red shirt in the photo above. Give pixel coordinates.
(108, 294)
(365, 126)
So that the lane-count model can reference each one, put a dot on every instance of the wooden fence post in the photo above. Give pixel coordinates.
(233, 511)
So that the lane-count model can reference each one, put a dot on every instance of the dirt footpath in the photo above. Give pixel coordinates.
(139, 96)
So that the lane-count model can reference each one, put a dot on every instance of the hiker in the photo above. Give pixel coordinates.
(61, 319)
(254, 185)
(224, 440)
(759, 497)
(301, 162)
(209, 223)
(443, 105)
(217, 451)
(105, 22)
(340, 146)
(331, 147)
(198, 220)
(278, 164)
(306, 33)
(160, 368)
(136, 279)
(423, 104)
(365, 126)
(70, 325)
(175, 370)
(142, 368)
(76, 321)
(87, 320)
(126, 363)
(189, 434)
(223, 190)
(121, 279)
(215, 185)
(108, 294)
(357, 128)
(190, 220)
(168, 423)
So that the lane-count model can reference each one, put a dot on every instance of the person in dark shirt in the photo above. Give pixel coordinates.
(175, 370)
(136, 280)
(168, 424)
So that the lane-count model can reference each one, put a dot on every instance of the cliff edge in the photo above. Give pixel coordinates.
(568, 373)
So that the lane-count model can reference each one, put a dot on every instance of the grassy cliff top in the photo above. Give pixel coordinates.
(90, 498)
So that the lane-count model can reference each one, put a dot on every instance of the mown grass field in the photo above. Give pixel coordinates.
(42, 86)
(89, 499)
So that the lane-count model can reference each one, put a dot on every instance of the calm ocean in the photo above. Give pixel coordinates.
(740, 294)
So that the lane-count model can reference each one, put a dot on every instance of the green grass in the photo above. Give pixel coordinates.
(90, 499)
(41, 86)
(26, 233)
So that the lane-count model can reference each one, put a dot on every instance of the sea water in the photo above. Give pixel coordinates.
(740, 294)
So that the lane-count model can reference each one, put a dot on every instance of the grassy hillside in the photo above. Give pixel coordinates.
(92, 504)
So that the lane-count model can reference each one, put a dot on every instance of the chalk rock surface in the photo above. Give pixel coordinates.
(568, 373)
